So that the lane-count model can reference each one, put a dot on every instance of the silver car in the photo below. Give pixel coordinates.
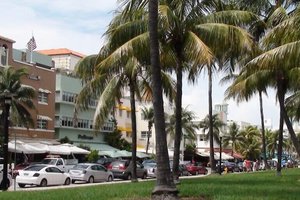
(90, 173)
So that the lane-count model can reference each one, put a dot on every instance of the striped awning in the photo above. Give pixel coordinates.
(43, 117)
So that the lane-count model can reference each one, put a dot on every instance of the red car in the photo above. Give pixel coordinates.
(196, 168)
(15, 171)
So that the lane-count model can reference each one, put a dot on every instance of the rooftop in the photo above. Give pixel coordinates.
(60, 51)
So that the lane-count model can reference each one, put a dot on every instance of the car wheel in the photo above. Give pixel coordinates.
(68, 181)
(73, 181)
(91, 179)
(43, 183)
(110, 179)
(129, 177)
(21, 185)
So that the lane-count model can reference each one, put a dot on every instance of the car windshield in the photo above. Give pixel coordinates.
(49, 161)
(80, 167)
(34, 168)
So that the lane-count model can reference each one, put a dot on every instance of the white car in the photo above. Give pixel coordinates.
(8, 178)
(42, 175)
(90, 173)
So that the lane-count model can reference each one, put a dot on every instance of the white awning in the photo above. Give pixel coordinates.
(44, 90)
(224, 156)
(21, 147)
(43, 117)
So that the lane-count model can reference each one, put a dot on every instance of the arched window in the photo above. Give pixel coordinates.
(3, 55)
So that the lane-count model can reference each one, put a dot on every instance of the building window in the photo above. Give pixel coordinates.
(93, 102)
(3, 55)
(120, 113)
(144, 134)
(69, 97)
(82, 123)
(202, 137)
(42, 124)
(43, 97)
(67, 121)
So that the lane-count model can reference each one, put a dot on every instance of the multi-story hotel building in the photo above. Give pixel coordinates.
(77, 129)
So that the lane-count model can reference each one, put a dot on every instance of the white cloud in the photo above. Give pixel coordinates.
(55, 24)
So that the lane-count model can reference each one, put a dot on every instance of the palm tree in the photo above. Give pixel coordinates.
(165, 187)
(148, 114)
(188, 126)
(271, 140)
(233, 137)
(188, 38)
(21, 100)
(281, 41)
(217, 126)
(251, 147)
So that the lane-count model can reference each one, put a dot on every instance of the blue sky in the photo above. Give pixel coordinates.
(79, 25)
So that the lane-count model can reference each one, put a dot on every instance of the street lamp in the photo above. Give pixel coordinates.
(7, 103)
(220, 156)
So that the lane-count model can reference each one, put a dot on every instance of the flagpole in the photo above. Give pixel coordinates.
(31, 56)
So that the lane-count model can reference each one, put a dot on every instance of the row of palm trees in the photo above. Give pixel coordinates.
(257, 46)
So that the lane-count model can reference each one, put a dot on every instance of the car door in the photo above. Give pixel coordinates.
(95, 172)
(56, 176)
(139, 170)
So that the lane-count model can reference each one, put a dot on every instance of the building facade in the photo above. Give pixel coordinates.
(41, 77)
(77, 128)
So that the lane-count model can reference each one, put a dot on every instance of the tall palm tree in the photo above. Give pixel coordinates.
(21, 101)
(233, 137)
(148, 114)
(188, 38)
(281, 41)
(165, 187)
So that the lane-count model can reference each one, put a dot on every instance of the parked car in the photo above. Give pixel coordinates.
(42, 175)
(183, 171)
(90, 173)
(231, 166)
(106, 161)
(62, 164)
(148, 161)
(9, 179)
(15, 171)
(151, 168)
(123, 169)
(196, 168)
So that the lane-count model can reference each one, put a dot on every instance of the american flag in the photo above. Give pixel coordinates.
(31, 45)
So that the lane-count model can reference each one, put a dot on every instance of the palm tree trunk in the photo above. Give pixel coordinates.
(164, 188)
(280, 96)
(178, 129)
(291, 131)
(279, 147)
(211, 134)
(133, 127)
(148, 138)
(4, 182)
(263, 130)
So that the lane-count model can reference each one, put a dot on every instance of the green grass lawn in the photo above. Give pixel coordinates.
(259, 185)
